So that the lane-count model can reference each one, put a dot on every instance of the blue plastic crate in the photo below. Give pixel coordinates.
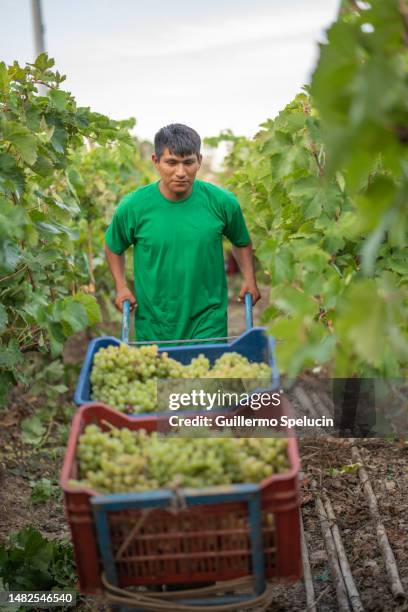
(253, 344)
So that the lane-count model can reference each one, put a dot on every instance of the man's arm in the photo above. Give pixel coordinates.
(117, 267)
(244, 257)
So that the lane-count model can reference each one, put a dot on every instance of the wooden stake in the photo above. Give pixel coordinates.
(341, 553)
(337, 576)
(307, 573)
(320, 406)
(305, 401)
(386, 551)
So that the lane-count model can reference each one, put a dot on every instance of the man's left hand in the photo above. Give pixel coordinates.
(252, 289)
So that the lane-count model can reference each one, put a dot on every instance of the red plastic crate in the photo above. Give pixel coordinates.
(199, 543)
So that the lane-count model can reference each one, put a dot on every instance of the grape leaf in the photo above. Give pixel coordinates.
(91, 306)
(24, 141)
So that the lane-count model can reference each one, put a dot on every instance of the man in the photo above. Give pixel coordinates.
(176, 226)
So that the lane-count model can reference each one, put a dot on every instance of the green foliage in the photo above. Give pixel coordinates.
(49, 382)
(29, 562)
(324, 186)
(360, 88)
(310, 237)
(351, 468)
(32, 430)
(62, 167)
(99, 178)
(42, 490)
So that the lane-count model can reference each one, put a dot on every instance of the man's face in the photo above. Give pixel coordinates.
(177, 173)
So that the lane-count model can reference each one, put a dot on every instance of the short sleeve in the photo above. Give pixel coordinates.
(235, 228)
(120, 234)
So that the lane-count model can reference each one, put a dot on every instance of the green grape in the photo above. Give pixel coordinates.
(126, 377)
(121, 460)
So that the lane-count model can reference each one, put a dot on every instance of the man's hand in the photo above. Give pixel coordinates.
(252, 289)
(122, 295)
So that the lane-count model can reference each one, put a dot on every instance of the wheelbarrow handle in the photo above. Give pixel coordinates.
(249, 322)
(125, 321)
(126, 317)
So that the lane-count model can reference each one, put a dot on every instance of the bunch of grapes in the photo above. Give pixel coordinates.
(120, 460)
(126, 377)
(240, 374)
(234, 365)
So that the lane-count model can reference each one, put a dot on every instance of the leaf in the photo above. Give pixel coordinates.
(9, 256)
(49, 228)
(59, 140)
(57, 228)
(43, 166)
(59, 389)
(32, 430)
(91, 306)
(42, 490)
(68, 205)
(30, 562)
(74, 317)
(376, 201)
(4, 77)
(322, 351)
(10, 355)
(351, 468)
(313, 258)
(75, 177)
(363, 321)
(43, 62)
(292, 301)
(371, 246)
(24, 141)
(290, 333)
(57, 333)
(47, 130)
(11, 176)
(59, 99)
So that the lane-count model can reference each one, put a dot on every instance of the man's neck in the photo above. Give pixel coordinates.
(170, 195)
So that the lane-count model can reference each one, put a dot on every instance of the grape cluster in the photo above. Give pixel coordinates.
(126, 377)
(234, 365)
(120, 460)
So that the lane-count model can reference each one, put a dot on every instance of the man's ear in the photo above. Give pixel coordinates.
(200, 159)
(155, 159)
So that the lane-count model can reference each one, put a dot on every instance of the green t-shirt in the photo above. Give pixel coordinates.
(180, 282)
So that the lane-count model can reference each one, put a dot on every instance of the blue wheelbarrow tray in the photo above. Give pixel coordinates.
(254, 344)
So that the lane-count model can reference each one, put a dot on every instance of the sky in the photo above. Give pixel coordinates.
(213, 65)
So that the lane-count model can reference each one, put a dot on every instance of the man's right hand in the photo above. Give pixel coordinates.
(122, 295)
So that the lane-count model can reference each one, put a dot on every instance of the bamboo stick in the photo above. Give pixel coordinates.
(337, 576)
(320, 406)
(305, 401)
(386, 551)
(341, 553)
(307, 573)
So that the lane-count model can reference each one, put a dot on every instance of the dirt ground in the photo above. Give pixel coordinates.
(386, 463)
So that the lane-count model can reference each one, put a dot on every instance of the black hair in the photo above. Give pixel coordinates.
(179, 139)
